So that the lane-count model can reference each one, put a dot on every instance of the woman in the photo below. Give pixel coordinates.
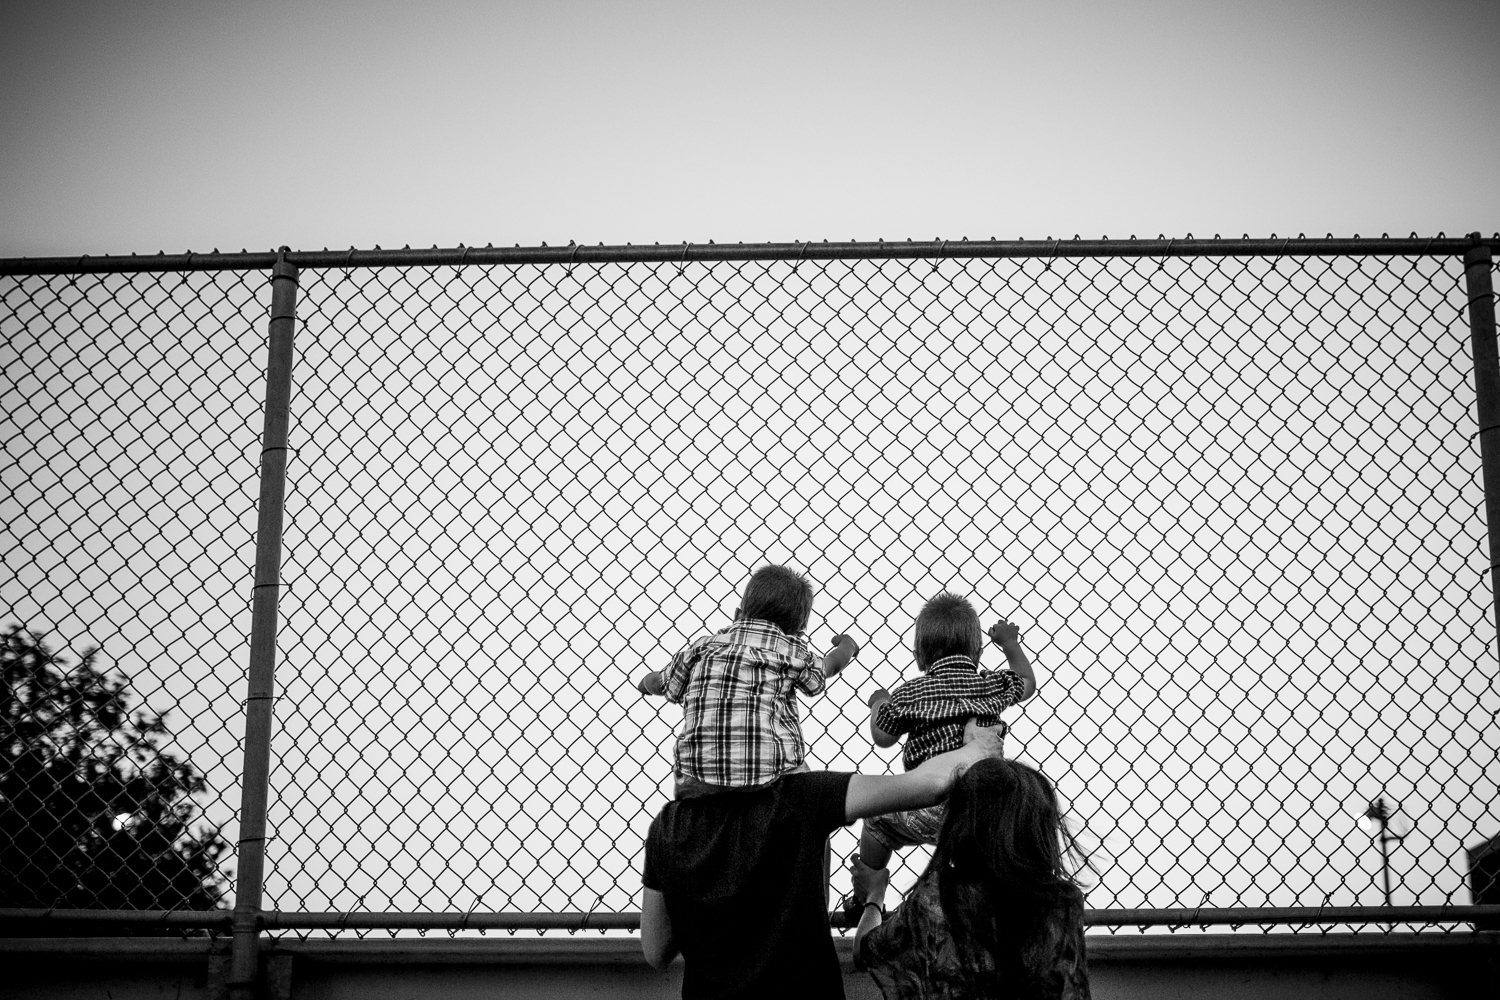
(996, 914)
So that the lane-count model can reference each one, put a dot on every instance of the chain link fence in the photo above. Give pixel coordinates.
(129, 473)
(1234, 500)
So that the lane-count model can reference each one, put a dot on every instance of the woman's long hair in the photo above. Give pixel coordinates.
(1003, 868)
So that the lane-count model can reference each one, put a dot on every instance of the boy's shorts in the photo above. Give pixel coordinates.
(907, 829)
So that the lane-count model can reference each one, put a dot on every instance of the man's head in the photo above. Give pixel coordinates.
(947, 625)
(779, 595)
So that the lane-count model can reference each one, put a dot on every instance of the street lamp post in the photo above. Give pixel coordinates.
(1380, 821)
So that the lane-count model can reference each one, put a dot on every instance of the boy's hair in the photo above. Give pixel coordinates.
(779, 595)
(947, 625)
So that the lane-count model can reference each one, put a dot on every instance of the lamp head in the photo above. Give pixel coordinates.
(1382, 817)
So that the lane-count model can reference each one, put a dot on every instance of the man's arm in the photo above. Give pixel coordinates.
(924, 785)
(656, 930)
(1007, 635)
(654, 683)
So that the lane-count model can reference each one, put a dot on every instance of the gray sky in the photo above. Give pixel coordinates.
(172, 126)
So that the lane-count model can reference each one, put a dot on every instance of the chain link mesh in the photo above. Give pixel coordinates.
(132, 404)
(1233, 501)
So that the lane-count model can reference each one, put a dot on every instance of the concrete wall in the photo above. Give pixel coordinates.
(1189, 965)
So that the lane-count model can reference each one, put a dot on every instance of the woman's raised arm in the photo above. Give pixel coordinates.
(924, 785)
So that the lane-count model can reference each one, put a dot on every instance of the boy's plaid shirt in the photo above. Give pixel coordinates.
(738, 691)
(934, 708)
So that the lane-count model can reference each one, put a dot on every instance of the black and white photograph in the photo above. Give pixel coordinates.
(921, 501)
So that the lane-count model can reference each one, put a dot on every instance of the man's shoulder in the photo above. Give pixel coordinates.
(714, 844)
(796, 792)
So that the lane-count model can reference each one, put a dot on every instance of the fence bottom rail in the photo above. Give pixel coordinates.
(275, 920)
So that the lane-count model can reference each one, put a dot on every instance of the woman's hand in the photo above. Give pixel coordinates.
(926, 784)
(991, 738)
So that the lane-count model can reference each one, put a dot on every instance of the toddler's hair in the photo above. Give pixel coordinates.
(947, 625)
(779, 595)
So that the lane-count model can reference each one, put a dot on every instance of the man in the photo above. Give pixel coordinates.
(735, 881)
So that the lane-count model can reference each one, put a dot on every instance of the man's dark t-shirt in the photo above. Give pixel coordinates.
(742, 876)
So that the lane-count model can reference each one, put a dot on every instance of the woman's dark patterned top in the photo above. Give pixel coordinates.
(912, 955)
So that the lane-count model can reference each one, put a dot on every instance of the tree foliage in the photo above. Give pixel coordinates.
(93, 814)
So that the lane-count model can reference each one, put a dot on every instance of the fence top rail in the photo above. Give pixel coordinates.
(683, 253)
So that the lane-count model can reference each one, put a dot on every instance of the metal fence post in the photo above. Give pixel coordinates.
(1477, 264)
(262, 669)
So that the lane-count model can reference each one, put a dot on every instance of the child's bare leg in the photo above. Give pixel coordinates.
(872, 853)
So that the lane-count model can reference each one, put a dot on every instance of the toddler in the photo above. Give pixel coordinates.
(738, 688)
(933, 709)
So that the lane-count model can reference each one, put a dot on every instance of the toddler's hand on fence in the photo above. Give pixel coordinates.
(840, 639)
(1003, 632)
